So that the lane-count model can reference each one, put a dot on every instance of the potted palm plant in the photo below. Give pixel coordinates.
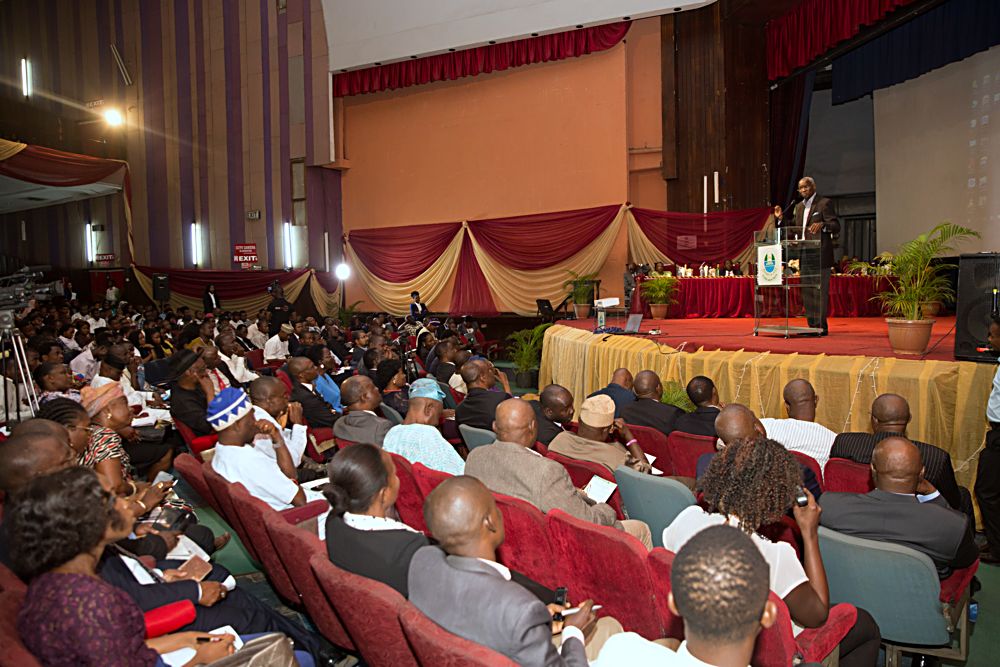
(525, 349)
(915, 280)
(660, 293)
(581, 289)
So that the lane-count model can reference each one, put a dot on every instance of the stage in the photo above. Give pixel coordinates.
(848, 368)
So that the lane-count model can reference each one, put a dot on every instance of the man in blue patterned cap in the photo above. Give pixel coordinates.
(418, 439)
(272, 480)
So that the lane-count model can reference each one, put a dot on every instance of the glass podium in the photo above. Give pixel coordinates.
(787, 283)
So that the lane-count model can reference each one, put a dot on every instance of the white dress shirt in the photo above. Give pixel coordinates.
(993, 405)
(377, 523)
(795, 435)
(84, 364)
(806, 212)
(295, 438)
(238, 367)
(634, 650)
(256, 336)
(69, 343)
(256, 471)
(275, 348)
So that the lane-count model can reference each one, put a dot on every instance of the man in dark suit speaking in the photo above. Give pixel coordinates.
(813, 218)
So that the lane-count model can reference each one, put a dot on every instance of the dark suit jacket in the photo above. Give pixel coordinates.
(382, 555)
(932, 528)
(317, 412)
(190, 406)
(650, 412)
(547, 429)
(479, 407)
(937, 462)
(473, 600)
(699, 422)
(619, 394)
(362, 427)
(822, 211)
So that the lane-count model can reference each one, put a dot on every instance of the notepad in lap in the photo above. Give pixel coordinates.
(599, 489)
(651, 459)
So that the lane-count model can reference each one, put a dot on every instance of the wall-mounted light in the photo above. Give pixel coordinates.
(113, 117)
(24, 231)
(343, 272)
(195, 244)
(26, 87)
(89, 242)
(326, 251)
(287, 245)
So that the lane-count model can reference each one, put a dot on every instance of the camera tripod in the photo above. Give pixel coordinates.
(14, 358)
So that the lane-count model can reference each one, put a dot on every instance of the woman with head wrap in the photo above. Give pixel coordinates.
(108, 410)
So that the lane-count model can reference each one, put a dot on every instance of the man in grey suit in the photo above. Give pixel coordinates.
(361, 397)
(461, 586)
(509, 466)
(904, 509)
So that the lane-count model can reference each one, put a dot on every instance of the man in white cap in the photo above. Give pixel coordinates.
(276, 347)
(418, 439)
(591, 441)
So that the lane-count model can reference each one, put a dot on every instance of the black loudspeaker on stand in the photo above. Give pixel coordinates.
(161, 287)
(978, 288)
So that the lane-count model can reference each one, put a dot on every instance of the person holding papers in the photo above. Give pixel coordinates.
(591, 441)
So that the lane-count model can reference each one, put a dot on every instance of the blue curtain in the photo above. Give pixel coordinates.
(948, 33)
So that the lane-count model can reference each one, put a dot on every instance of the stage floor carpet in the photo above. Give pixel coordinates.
(853, 336)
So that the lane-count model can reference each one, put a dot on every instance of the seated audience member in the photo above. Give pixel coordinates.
(160, 346)
(360, 536)
(66, 333)
(619, 390)
(326, 364)
(369, 361)
(59, 525)
(360, 339)
(276, 347)
(55, 381)
(425, 342)
(449, 582)
(409, 327)
(553, 408)
(257, 332)
(243, 338)
(217, 371)
(391, 381)
(295, 338)
(647, 410)
(206, 332)
(718, 586)
(890, 416)
(738, 422)
(590, 442)
(238, 458)
(318, 413)
(751, 484)
(190, 391)
(233, 356)
(702, 392)
(481, 402)
(270, 403)
(87, 362)
(51, 351)
(800, 432)
(511, 467)
(447, 351)
(418, 439)
(904, 508)
(109, 413)
(360, 423)
(113, 369)
(456, 382)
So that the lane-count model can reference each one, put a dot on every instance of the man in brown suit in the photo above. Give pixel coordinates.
(511, 467)
(597, 438)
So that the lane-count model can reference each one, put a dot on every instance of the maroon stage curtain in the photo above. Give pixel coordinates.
(693, 238)
(228, 284)
(47, 166)
(533, 242)
(471, 294)
(480, 60)
(813, 27)
(327, 280)
(398, 254)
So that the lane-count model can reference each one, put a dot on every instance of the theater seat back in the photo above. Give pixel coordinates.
(14, 653)
(433, 645)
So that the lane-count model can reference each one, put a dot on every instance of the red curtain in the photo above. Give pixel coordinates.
(47, 166)
(327, 280)
(813, 27)
(399, 254)
(532, 242)
(228, 284)
(471, 294)
(693, 238)
(480, 60)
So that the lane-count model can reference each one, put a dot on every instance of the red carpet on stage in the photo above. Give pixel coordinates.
(857, 336)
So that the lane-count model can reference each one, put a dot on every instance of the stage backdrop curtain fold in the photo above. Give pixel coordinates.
(693, 238)
(471, 294)
(516, 289)
(237, 290)
(324, 289)
(389, 282)
(480, 60)
(400, 254)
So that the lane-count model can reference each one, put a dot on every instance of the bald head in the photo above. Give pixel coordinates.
(622, 377)
(515, 422)
(890, 414)
(298, 364)
(264, 387)
(477, 373)
(352, 390)
(737, 422)
(34, 449)
(557, 403)
(897, 465)
(462, 516)
(800, 400)
(647, 385)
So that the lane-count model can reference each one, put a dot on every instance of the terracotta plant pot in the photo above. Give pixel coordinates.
(658, 310)
(909, 336)
(582, 310)
(930, 309)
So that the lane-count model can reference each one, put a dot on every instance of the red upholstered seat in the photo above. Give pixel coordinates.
(541, 448)
(654, 442)
(660, 562)
(526, 547)
(285, 379)
(196, 443)
(685, 448)
(608, 566)
(582, 471)
(14, 653)
(846, 476)
(317, 436)
(295, 546)
(370, 612)
(251, 512)
(813, 465)
(220, 487)
(190, 470)
(168, 618)
(427, 478)
(341, 443)
(955, 585)
(255, 358)
(410, 502)
(777, 646)
(10, 581)
(433, 645)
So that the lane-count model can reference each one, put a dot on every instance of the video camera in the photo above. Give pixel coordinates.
(18, 288)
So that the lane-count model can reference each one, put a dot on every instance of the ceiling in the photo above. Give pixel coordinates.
(16, 195)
